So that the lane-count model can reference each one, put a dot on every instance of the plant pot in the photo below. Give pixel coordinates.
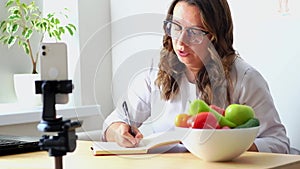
(25, 89)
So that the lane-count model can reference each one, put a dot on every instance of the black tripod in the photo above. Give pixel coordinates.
(65, 139)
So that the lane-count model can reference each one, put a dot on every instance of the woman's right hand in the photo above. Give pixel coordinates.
(119, 132)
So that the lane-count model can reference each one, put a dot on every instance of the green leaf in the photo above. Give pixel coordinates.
(33, 8)
(28, 33)
(52, 20)
(72, 26)
(36, 24)
(61, 29)
(20, 42)
(9, 2)
(57, 21)
(31, 5)
(24, 5)
(2, 24)
(18, 2)
(70, 30)
(5, 40)
(27, 18)
(36, 15)
(25, 9)
(16, 12)
(25, 47)
(50, 15)
(4, 29)
(15, 28)
(40, 26)
(11, 41)
(44, 26)
(9, 28)
(14, 16)
(2, 38)
(50, 35)
(57, 34)
(14, 9)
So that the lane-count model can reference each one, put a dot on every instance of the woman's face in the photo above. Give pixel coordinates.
(190, 54)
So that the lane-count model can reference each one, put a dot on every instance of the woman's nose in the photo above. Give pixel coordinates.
(183, 38)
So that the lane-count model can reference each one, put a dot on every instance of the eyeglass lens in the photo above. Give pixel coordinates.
(174, 30)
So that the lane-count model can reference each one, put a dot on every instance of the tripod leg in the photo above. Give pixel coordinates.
(58, 162)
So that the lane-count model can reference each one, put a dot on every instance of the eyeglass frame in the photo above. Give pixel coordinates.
(182, 28)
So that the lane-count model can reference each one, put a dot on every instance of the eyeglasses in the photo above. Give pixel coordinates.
(194, 34)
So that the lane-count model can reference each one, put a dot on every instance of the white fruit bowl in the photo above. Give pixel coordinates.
(218, 144)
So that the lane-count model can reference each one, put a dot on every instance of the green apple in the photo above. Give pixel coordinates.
(238, 113)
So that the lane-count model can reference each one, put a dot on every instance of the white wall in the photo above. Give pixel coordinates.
(95, 54)
(136, 38)
(268, 40)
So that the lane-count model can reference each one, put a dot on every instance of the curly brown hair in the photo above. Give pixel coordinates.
(213, 81)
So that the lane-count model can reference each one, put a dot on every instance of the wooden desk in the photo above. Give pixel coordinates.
(83, 158)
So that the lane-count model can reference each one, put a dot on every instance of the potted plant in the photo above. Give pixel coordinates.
(25, 21)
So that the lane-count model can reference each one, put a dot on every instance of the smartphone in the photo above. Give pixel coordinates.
(54, 65)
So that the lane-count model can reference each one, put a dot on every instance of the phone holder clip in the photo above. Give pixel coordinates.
(65, 139)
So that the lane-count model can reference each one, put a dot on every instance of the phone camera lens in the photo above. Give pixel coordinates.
(44, 53)
(43, 47)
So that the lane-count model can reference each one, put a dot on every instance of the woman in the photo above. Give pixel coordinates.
(198, 61)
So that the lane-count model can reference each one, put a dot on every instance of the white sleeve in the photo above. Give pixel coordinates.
(253, 90)
(138, 98)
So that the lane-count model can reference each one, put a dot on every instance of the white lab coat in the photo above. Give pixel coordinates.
(250, 88)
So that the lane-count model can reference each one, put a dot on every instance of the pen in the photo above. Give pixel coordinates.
(125, 108)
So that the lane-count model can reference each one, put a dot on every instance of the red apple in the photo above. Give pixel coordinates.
(218, 109)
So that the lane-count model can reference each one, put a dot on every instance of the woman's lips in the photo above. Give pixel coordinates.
(182, 53)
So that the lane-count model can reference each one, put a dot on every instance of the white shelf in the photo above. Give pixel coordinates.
(11, 114)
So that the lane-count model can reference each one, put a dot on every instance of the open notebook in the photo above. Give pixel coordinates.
(154, 141)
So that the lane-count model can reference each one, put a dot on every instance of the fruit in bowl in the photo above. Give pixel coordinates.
(218, 144)
(215, 134)
(203, 116)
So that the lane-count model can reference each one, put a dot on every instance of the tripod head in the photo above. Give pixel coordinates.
(65, 139)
